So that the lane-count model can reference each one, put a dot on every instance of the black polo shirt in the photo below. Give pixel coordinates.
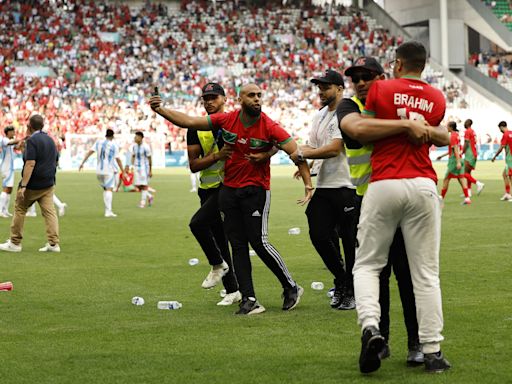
(41, 148)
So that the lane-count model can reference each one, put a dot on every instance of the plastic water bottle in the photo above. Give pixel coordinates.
(193, 262)
(137, 300)
(317, 285)
(169, 305)
(294, 231)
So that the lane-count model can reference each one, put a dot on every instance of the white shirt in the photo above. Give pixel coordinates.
(7, 155)
(106, 152)
(333, 172)
(142, 154)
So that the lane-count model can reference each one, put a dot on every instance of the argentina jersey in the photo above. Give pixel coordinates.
(106, 152)
(7, 163)
(141, 154)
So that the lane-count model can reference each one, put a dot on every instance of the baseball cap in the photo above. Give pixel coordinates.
(329, 77)
(365, 62)
(213, 89)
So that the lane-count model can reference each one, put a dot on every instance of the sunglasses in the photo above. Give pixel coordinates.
(367, 76)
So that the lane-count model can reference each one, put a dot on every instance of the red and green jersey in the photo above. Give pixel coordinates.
(258, 137)
(506, 141)
(470, 139)
(396, 157)
(454, 142)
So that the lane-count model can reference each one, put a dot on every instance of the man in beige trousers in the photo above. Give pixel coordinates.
(37, 184)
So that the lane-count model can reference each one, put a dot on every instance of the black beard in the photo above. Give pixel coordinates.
(252, 112)
(328, 101)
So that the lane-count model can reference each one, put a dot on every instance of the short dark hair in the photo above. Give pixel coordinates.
(8, 129)
(468, 123)
(36, 122)
(109, 133)
(502, 123)
(413, 55)
(139, 133)
(452, 125)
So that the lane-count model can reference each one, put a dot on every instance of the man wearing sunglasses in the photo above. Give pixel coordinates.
(332, 208)
(402, 193)
(363, 73)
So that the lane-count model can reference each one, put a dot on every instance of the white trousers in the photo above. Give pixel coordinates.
(413, 205)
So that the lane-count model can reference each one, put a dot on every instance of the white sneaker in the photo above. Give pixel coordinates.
(479, 187)
(110, 214)
(31, 214)
(215, 276)
(506, 196)
(142, 204)
(4, 214)
(231, 298)
(10, 247)
(50, 248)
(467, 201)
(62, 209)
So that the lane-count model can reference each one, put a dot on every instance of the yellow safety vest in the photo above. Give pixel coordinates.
(358, 160)
(212, 176)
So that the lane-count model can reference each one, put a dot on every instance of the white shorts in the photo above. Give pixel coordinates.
(8, 178)
(140, 177)
(108, 181)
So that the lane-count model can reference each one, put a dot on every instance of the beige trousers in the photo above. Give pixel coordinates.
(412, 204)
(45, 199)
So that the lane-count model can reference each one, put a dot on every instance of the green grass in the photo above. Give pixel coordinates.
(70, 320)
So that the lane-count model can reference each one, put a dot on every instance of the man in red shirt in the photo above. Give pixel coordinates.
(244, 199)
(470, 157)
(402, 192)
(506, 144)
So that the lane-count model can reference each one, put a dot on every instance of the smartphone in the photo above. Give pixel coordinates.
(155, 91)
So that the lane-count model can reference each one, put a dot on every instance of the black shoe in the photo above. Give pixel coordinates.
(337, 297)
(250, 306)
(415, 357)
(348, 302)
(372, 345)
(291, 296)
(436, 363)
(385, 353)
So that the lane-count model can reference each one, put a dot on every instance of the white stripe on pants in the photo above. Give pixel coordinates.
(414, 205)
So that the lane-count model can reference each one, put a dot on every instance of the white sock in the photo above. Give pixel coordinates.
(7, 202)
(57, 202)
(108, 200)
(143, 196)
(3, 201)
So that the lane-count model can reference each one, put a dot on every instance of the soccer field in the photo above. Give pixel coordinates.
(70, 319)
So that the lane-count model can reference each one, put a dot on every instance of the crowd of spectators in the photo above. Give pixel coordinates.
(105, 59)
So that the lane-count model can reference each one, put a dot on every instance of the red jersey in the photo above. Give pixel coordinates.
(469, 135)
(127, 178)
(506, 141)
(259, 137)
(395, 157)
(454, 141)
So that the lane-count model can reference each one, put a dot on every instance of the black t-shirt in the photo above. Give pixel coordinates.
(41, 148)
(345, 107)
(193, 139)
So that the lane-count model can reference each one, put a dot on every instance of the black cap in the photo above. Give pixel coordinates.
(213, 89)
(366, 62)
(329, 77)
(109, 133)
(502, 123)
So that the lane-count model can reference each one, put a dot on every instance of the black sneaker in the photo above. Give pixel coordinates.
(415, 357)
(372, 345)
(337, 297)
(436, 363)
(250, 306)
(348, 302)
(385, 353)
(291, 296)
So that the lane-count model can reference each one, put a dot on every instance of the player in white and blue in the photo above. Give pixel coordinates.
(141, 161)
(108, 165)
(7, 169)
